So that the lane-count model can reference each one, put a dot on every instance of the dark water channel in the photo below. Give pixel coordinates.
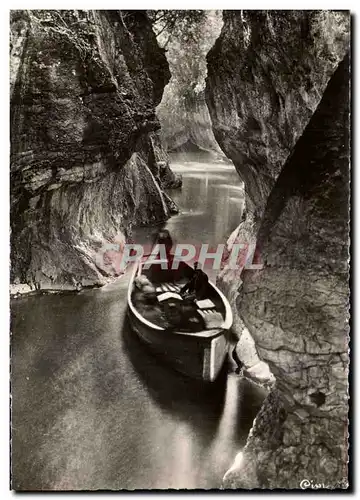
(93, 409)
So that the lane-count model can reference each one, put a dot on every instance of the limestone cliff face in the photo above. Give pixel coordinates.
(296, 309)
(85, 154)
(185, 121)
(187, 129)
(266, 74)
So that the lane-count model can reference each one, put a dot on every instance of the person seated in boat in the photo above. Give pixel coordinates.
(196, 287)
(165, 239)
(145, 295)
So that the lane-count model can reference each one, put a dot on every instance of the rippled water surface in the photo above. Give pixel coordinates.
(93, 409)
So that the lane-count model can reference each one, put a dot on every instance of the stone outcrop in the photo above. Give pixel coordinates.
(266, 74)
(86, 162)
(296, 309)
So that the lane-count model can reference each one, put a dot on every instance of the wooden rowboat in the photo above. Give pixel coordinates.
(197, 351)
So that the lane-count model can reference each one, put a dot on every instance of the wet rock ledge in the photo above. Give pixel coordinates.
(86, 159)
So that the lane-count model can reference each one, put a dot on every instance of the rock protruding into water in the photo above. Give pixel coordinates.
(296, 309)
(84, 147)
(266, 74)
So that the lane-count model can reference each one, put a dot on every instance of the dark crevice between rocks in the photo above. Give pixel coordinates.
(318, 398)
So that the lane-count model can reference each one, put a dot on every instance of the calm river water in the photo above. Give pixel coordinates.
(93, 409)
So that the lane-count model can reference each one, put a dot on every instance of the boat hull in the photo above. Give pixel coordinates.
(199, 354)
(193, 355)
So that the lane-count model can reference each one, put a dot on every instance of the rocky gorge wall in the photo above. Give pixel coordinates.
(267, 75)
(185, 121)
(187, 129)
(296, 309)
(86, 158)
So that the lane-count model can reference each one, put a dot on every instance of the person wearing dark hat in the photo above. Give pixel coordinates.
(196, 287)
(164, 238)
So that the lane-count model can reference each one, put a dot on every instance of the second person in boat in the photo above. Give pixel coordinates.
(196, 287)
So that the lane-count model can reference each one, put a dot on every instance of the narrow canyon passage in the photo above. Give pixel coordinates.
(93, 409)
(112, 112)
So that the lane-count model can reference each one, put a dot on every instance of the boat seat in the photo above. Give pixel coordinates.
(212, 318)
(167, 287)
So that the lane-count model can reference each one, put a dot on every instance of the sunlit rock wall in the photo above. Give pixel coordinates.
(86, 163)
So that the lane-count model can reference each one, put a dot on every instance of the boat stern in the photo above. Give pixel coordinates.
(214, 355)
